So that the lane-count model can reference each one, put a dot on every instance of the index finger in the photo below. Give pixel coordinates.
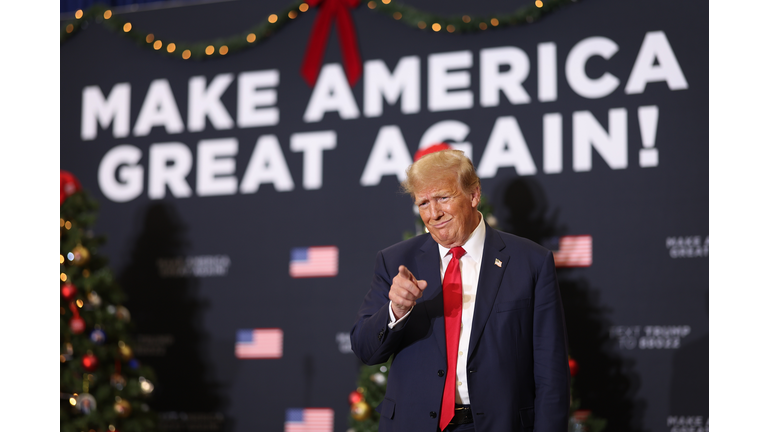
(405, 273)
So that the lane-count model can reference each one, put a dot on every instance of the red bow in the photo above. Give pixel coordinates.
(339, 10)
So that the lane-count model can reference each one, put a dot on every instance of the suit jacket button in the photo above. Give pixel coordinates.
(433, 414)
(440, 373)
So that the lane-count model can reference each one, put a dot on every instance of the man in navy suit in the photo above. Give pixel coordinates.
(472, 316)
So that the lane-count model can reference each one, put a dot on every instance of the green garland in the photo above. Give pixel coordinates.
(263, 30)
(464, 23)
(196, 50)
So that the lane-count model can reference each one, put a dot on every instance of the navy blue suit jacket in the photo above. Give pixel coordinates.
(517, 365)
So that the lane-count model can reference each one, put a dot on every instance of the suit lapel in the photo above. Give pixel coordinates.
(428, 262)
(488, 283)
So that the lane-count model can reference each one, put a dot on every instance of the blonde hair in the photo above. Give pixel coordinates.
(445, 164)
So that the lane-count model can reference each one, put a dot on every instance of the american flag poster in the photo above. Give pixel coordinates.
(574, 251)
(259, 343)
(309, 420)
(314, 261)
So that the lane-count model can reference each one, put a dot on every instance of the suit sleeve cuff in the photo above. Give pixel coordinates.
(396, 324)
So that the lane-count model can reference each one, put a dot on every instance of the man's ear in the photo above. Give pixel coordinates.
(475, 197)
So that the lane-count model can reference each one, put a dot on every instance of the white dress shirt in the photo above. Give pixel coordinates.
(470, 275)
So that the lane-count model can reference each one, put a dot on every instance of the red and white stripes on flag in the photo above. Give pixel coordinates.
(309, 420)
(259, 343)
(574, 251)
(314, 261)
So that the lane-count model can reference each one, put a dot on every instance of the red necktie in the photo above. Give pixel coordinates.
(452, 308)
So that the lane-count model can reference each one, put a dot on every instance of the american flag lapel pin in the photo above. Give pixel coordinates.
(498, 263)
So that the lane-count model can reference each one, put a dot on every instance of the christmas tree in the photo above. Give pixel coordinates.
(103, 387)
(581, 420)
(371, 386)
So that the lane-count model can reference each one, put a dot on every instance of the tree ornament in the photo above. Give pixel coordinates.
(68, 291)
(361, 410)
(81, 255)
(379, 378)
(146, 386)
(98, 336)
(77, 325)
(93, 298)
(85, 402)
(117, 381)
(67, 354)
(89, 362)
(580, 417)
(122, 407)
(573, 366)
(125, 351)
(133, 363)
(355, 397)
(69, 185)
(121, 312)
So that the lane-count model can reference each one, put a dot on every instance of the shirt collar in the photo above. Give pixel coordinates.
(473, 245)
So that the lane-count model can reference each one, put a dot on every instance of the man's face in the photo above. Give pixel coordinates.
(449, 214)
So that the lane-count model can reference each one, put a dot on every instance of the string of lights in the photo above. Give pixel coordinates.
(185, 50)
(464, 23)
(263, 30)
